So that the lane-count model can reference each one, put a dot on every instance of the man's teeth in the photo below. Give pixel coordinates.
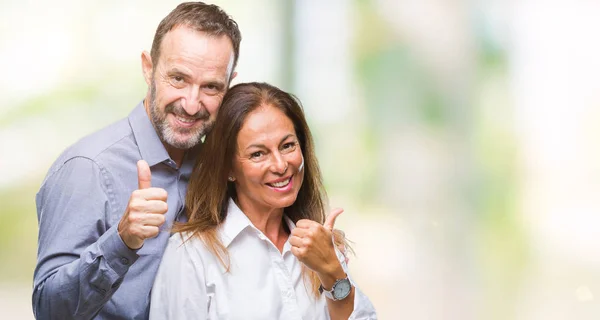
(186, 120)
(280, 184)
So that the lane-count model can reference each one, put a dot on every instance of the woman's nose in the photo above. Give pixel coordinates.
(278, 164)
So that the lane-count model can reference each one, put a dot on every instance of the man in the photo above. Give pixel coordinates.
(106, 205)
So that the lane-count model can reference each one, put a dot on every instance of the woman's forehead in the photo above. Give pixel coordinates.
(264, 124)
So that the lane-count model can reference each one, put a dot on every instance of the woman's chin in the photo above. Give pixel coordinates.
(285, 201)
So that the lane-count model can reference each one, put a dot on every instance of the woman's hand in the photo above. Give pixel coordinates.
(312, 244)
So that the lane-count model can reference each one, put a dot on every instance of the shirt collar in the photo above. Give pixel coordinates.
(236, 221)
(151, 148)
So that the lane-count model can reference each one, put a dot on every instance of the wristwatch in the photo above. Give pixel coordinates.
(340, 290)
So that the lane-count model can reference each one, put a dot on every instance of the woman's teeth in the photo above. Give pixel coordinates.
(280, 184)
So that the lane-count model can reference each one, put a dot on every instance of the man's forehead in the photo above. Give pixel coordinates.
(185, 41)
(186, 35)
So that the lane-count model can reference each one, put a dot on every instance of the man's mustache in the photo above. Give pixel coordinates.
(178, 110)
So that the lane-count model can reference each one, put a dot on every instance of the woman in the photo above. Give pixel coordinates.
(256, 244)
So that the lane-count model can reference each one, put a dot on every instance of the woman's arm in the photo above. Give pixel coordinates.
(343, 308)
(312, 243)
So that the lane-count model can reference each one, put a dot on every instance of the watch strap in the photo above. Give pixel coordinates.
(329, 293)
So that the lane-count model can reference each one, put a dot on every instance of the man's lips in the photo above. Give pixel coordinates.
(185, 121)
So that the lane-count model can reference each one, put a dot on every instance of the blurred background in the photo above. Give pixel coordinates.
(461, 137)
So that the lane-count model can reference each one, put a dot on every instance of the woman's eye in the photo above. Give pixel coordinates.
(289, 146)
(256, 154)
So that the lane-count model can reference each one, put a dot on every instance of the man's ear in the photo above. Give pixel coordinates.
(233, 75)
(147, 67)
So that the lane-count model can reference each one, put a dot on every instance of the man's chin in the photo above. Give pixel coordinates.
(183, 142)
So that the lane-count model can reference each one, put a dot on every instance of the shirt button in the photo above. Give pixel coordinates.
(125, 261)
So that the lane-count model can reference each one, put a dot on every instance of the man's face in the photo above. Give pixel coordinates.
(188, 84)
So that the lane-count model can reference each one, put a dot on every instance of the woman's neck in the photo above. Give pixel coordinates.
(268, 221)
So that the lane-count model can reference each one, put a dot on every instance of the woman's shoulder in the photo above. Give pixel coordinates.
(183, 239)
(188, 243)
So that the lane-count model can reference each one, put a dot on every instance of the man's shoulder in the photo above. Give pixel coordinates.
(108, 145)
(109, 141)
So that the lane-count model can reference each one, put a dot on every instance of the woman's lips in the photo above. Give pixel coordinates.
(282, 185)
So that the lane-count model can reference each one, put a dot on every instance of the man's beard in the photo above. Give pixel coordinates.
(168, 134)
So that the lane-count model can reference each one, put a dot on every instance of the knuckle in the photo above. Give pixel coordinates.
(132, 218)
(153, 232)
(133, 231)
(137, 205)
(137, 194)
(162, 194)
(135, 218)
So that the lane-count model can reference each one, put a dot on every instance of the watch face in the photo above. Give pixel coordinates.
(341, 289)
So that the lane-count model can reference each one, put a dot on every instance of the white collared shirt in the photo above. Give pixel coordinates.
(262, 283)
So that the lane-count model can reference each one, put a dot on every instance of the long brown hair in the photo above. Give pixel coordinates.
(209, 190)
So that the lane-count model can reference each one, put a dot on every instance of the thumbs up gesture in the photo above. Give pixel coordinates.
(312, 244)
(145, 211)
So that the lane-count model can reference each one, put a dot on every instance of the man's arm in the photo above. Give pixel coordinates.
(81, 263)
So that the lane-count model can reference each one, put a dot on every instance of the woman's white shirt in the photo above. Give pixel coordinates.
(262, 282)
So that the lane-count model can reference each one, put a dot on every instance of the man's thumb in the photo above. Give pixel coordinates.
(144, 175)
(330, 221)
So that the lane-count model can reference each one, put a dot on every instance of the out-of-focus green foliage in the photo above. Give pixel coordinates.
(18, 230)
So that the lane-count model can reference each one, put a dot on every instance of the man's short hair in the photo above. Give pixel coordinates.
(199, 16)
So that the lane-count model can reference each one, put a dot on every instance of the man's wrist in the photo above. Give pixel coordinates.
(127, 241)
(117, 254)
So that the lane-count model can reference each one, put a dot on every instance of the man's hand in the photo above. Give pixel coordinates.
(145, 212)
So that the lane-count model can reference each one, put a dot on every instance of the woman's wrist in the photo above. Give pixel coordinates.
(331, 275)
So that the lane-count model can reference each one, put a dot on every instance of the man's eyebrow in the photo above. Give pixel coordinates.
(217, 83)
(177, 71)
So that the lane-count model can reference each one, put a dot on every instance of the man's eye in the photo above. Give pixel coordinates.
(178, 78)
(211, 89)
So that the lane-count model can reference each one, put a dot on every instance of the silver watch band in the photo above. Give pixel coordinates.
(346, 289)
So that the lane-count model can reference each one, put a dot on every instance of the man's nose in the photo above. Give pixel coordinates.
(191, 104)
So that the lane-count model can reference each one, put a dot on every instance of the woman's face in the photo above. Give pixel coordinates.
(268, 164)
